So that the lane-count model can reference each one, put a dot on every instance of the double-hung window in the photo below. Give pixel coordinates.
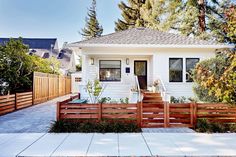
(110, 70)
(175, 69)
(190, 64)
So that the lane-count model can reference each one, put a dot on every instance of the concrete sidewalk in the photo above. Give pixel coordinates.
(125, 144)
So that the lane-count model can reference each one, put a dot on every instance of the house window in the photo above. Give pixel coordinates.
(46, 55)
(78, 79)
(176, 69)
(190, 64)
(110, 70)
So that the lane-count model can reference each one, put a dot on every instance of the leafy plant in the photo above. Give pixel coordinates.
(95, 90)
(16, 66)
(104, 100)
(124, 101)
(88, 126)
(182, 99)
(216, 78)
(203, 125)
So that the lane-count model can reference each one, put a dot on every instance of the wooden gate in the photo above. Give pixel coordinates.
(156, 115)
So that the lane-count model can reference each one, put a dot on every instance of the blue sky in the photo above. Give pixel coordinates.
(60, 19)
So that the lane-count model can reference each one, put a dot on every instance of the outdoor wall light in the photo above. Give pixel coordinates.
(91, 61)
(127, 61)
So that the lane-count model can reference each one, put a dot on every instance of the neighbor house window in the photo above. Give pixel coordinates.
(175, 69)
(190, 64)
(110, 70)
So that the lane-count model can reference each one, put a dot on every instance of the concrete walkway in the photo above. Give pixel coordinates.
(126, 144)
(35, 119)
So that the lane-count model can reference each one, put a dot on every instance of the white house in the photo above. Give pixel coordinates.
(115, 59)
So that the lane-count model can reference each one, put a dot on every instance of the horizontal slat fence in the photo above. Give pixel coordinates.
(10, 103)
(220, 113)
(49, 86)
(7, 104)
(150, 115)
(24, 100)
(67, 110)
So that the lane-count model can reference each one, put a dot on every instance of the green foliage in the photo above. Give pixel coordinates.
(160, 15)
(217, 77)
(88, 126)
(92, 28)
(104, 100)
(124, 101)
(182, 99)
(203, 125)
(130, 14)
(230, 26)
(94, 90)
(16, 66)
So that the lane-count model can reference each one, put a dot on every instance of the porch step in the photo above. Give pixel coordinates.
(149, 97)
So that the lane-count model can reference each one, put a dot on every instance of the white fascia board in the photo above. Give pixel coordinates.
(148, 46)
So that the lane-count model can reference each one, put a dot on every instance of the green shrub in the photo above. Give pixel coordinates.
(89, 126)
(203, 125)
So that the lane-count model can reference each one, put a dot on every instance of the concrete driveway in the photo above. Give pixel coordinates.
(35, 119)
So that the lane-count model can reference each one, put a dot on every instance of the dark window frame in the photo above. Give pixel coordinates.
(182, 69)
(186, 68)
(109, 68)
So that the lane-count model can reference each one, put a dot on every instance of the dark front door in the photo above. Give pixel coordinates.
(140, 70)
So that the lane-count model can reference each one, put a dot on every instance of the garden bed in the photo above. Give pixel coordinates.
(92, 126)
(205, 126)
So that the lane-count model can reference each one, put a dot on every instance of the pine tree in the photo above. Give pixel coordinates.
(131, 16)
(161, 14)
(203, 18)
(92, 28)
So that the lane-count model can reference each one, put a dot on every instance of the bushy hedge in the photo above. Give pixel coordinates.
(89, 126)
(203, 125)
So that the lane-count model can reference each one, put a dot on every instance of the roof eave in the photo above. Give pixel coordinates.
(147, 46)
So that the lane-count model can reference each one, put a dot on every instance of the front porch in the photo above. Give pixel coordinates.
(117, 74)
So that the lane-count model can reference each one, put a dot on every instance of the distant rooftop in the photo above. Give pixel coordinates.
(35, 43)
(144, 36)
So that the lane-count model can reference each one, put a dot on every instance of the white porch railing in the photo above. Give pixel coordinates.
(162, 88)
(138, 87)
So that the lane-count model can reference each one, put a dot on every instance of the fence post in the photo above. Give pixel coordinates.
(58, 110)
(16, 96)
(166, 114)
(139, 114)
(194, 114)
(99, 111)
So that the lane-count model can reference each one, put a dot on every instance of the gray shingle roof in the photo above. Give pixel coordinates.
(145, 36)
(34, 43)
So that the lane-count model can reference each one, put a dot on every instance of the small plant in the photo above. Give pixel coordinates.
(95, 90)
(88, 126)
(203, 125)
(104, 100)
(124, 101)
(182, 99)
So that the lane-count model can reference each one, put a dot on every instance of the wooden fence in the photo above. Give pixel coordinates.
(165, 115)
(49, 86)
(45, 87)
(10, 103)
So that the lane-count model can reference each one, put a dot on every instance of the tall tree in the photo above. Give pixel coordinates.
(203, 18)
(131, 16)
(92, 27)
(161, 15)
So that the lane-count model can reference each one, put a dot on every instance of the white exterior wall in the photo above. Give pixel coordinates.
(75, 85)
(161, 68)
(158, 67)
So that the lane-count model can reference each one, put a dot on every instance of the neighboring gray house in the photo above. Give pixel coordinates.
(46, 48)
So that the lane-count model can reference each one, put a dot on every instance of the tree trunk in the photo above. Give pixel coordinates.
(202, 16)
